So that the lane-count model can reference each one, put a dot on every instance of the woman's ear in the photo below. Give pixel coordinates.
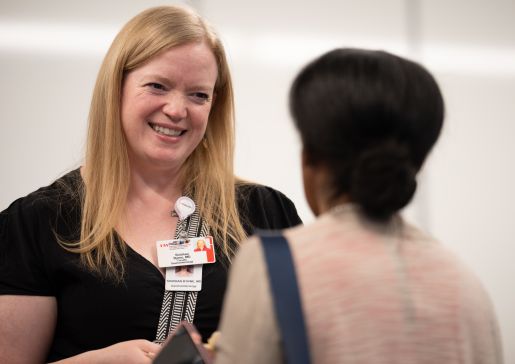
(317, 185)
(310, 181)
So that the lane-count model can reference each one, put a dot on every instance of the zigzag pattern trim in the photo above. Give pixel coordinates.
(190, 306)
(180, 305)
(177, 310)
(193, 225)
(162, 327)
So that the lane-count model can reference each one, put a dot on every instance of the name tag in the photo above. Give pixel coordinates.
(188, 251)
(184, 278)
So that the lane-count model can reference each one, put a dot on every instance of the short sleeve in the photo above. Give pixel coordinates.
(22, 263)
(262, 207)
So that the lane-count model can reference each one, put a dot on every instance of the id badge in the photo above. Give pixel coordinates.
(184, 278)
(188, 251)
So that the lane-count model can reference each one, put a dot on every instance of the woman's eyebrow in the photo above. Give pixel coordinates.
(156, 77)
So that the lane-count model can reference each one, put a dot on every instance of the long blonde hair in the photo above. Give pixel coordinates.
(211, 181)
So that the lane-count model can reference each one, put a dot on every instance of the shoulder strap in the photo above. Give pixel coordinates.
(285, 294)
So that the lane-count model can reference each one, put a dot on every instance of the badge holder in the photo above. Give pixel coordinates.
(179, 305)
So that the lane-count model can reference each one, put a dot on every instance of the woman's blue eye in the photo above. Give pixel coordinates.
(201, 95)
(156, 86)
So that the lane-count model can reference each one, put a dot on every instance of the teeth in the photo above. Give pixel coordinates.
(166, 131)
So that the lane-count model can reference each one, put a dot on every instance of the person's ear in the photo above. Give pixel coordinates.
(309, 179)
(304, 157)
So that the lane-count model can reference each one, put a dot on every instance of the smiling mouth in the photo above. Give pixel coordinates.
(166, 131)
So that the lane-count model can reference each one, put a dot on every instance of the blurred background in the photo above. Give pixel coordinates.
(50, 52)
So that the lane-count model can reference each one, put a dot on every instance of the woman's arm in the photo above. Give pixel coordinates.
(127, 352)
(27, 328)
(248, 331)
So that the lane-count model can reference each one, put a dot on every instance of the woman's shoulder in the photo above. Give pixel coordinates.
(65, 189)
(264, 207)
(255, 192)
(28, 236)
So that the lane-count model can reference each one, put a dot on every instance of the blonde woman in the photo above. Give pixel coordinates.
(79, 273)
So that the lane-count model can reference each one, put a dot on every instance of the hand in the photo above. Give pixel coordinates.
(211, 344)
(134, 351)
(126, 352)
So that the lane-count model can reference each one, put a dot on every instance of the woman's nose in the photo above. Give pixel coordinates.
(175, 107)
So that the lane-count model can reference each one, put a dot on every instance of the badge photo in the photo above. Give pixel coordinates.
(190, 251)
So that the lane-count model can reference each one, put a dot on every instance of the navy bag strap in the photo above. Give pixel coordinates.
(285, 292)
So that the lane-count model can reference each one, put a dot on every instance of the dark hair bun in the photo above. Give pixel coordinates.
(383, 180)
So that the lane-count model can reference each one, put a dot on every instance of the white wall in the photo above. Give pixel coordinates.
(50, 52)
(471, 45)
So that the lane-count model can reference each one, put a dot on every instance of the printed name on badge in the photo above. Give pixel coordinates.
(184, 278)
(189, 251)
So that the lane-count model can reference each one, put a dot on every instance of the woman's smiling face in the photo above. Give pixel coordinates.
(166, 104)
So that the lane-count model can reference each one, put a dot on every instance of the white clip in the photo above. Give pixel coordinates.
(184, 207)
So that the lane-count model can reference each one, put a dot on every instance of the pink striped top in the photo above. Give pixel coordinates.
(370, 293)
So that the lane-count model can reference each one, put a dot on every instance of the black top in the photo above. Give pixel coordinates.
(93, 313)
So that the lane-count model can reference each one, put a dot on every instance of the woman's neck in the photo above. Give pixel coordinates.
(327, 204)
(153, 189)
(147, 216)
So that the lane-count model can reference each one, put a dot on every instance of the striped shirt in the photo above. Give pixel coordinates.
(371, 293)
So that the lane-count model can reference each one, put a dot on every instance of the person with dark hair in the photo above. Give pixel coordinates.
(373, 288)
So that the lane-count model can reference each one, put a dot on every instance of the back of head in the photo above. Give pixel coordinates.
(371, 118)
